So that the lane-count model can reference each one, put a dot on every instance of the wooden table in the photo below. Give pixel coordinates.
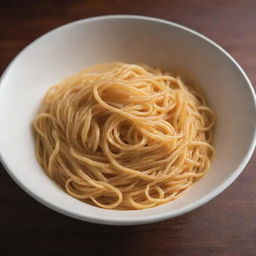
(224, 226)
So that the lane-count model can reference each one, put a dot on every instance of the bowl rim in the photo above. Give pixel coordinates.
(158, 216)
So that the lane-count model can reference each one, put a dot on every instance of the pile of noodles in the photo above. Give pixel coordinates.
(122, 136)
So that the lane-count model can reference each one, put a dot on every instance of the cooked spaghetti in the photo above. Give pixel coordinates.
(122, 136)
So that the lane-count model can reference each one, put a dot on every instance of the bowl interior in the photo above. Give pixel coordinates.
(73, 47)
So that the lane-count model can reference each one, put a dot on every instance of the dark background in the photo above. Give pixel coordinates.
(225, 226)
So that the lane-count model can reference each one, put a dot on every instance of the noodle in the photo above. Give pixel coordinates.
(122, 136)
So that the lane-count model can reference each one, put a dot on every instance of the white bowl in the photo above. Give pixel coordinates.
(133, 39)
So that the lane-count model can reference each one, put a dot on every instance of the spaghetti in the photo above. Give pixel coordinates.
(123, 136)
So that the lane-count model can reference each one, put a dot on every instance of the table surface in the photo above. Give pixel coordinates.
(224, 226)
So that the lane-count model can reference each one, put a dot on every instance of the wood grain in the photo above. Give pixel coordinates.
(225, 226)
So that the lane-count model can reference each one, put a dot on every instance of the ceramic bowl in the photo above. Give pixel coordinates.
(132, 39)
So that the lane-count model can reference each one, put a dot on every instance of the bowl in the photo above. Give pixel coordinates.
(132, 39)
